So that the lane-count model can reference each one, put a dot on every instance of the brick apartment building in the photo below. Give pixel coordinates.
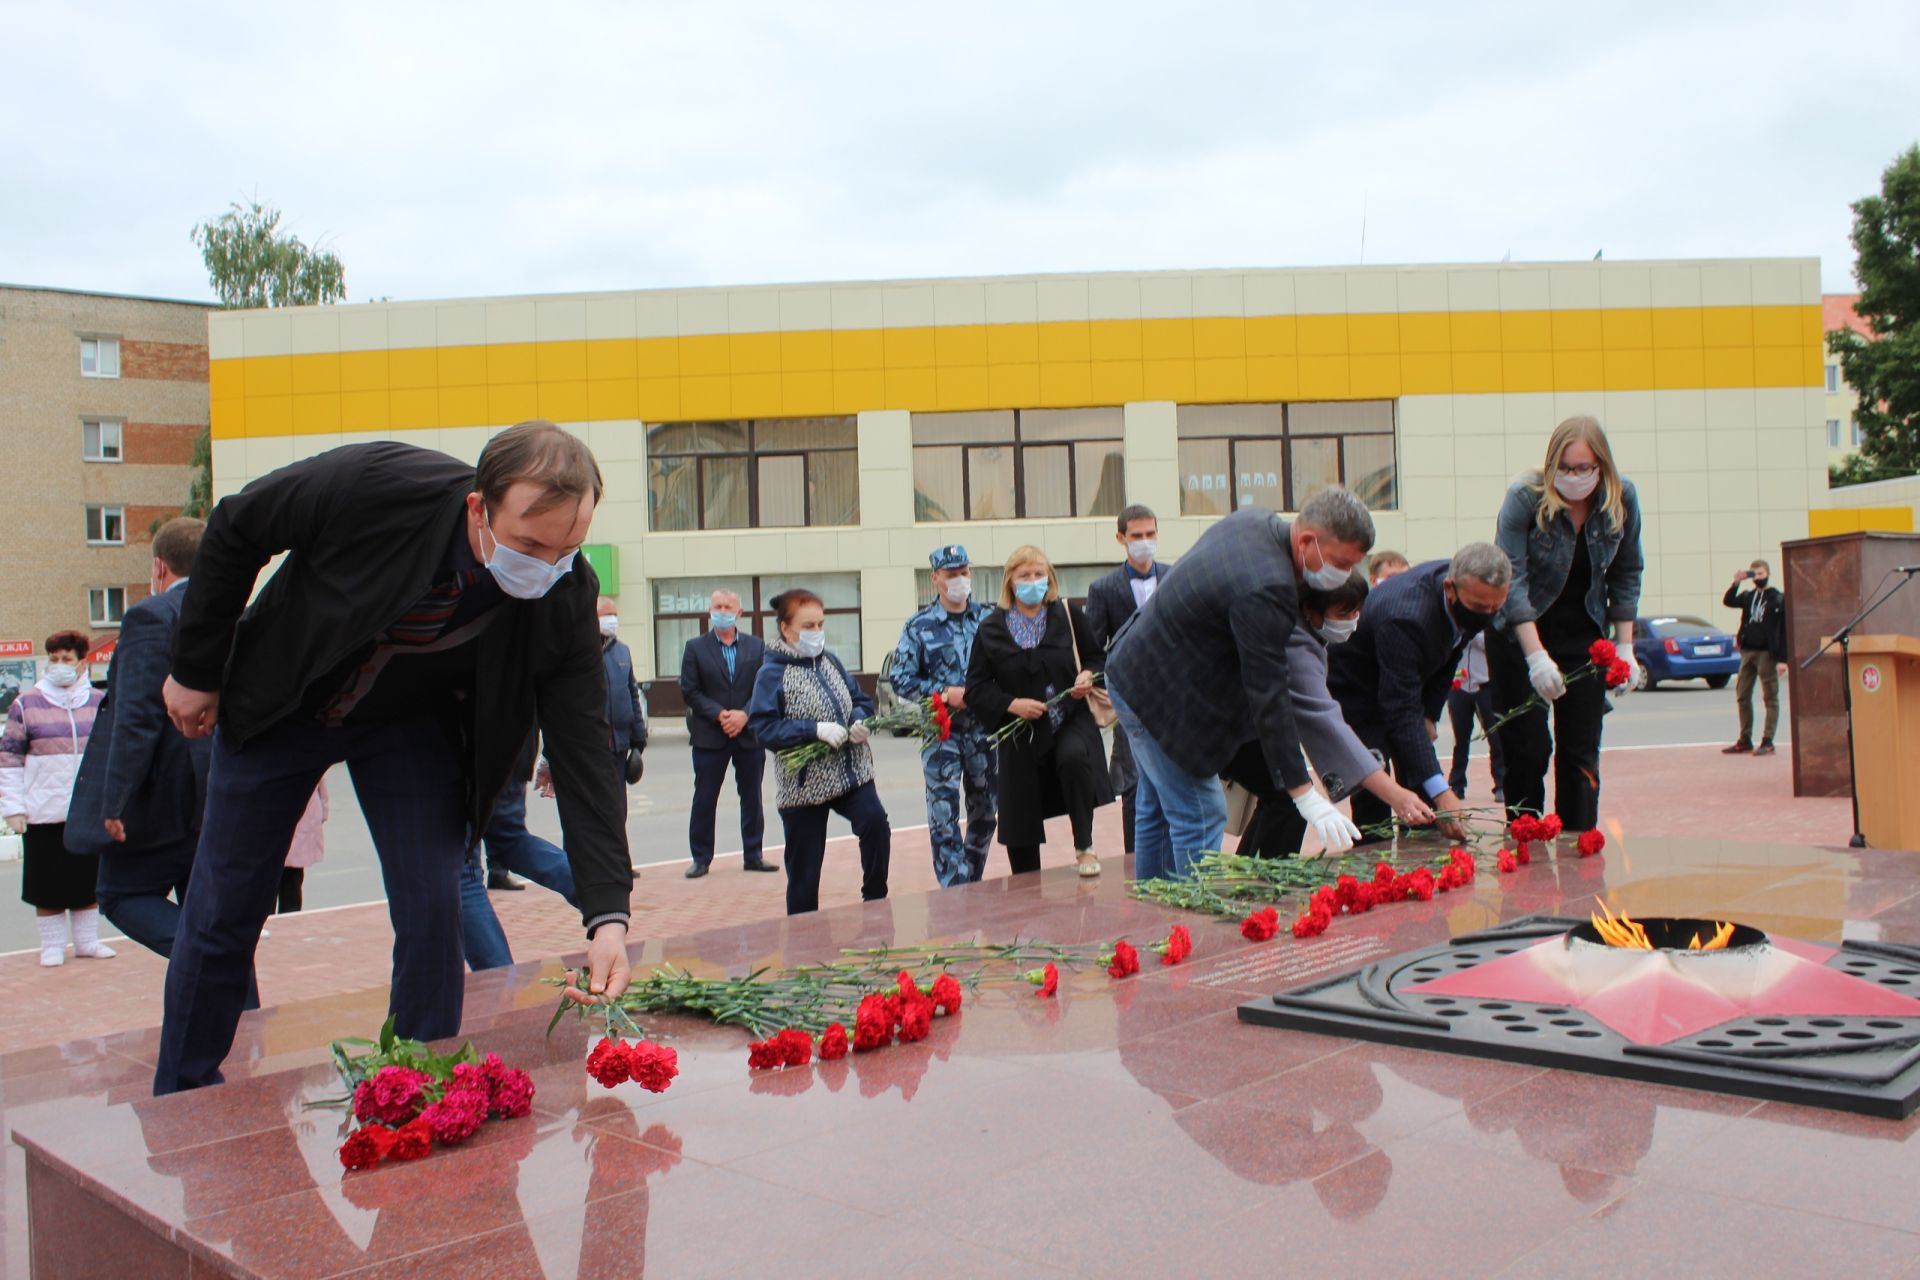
(101, 398)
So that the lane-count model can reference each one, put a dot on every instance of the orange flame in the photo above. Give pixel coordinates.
(1621, 932)
(1722, 933)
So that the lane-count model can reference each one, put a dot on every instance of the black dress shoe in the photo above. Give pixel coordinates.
(695, 871)
(760, 866)
(1764, 749)
(504, 881)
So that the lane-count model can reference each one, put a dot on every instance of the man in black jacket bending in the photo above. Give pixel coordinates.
(1763, 653)
(427, 615)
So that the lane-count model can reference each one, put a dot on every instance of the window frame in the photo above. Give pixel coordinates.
(101, 427)
(1854, 430)
(1834, 433)
(1833, 379)
(99, 619)
(109, 512)
(1286, 438)
(754, 612)
(751, 456)
(1020, 444)
(99, 344)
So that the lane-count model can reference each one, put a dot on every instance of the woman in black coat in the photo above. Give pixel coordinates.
(1023, 655)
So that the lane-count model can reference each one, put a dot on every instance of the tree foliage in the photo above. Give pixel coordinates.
(252, 263)
(1885, 369)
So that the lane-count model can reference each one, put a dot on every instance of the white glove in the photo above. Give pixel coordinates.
(17, 823)
(1546, 677)
(1333, 827)
(1633, 672)
(830, 733)
(858, 732)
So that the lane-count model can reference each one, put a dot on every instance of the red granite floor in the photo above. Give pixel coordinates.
(324, 972)
(1126, 1127)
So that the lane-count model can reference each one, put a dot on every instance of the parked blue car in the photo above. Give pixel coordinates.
(1683, 648)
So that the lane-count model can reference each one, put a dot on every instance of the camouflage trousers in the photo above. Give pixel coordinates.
(962, 766)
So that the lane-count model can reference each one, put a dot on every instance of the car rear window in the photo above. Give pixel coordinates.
(1682, 628)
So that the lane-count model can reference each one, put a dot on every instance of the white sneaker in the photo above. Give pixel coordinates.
(51, 956)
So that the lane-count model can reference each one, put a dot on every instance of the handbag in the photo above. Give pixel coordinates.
(1099, 701)
(636, 764)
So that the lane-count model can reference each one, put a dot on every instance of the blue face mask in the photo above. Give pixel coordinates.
(520, 575)
(720, 621)
(1030, 592)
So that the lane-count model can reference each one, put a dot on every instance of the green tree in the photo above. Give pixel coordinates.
(252, 263)
(1885, 369)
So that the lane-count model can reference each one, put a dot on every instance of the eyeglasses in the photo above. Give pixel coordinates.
(1579, 469)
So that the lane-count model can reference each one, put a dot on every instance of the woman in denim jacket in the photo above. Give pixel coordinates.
(1572, 530)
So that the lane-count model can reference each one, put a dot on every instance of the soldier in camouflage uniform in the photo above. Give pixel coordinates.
(931, 661)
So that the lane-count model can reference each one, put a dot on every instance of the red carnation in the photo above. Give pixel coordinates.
(942, 717)
(366, 1146)
(1420, 884)
(1177, 947)
(1450, 878)
(891, 1006)
(916, 1019)
(763, 1055)
(946, 994)
(652, 1066)
(1591, 842)
(1458, 682)
(1524, 828)
(456, 1117)
(1618, 673)
(1324, 899)
(1463, 860)
(833, 1043)
(513, 1094)
(1311, 924)
(411, 1141)
(909, 990)
(1050, 979)
(1550, 826)
(1602, 654)
(1124, 961)
(1508, 863)
(1383, 873)
(796, 1047)
(608, 1063)
(1523, 853)
(392, 1095)
(1347, 890)
(872, 1026)
(1261, 925)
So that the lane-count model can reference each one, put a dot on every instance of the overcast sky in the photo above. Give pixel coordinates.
(482, 148)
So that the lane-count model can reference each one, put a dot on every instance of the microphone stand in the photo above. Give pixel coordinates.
(1844, 637)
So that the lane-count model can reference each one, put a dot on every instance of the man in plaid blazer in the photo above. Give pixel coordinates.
(1203, 668)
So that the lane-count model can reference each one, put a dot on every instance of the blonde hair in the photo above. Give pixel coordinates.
(1608, 497)
(1024, 556)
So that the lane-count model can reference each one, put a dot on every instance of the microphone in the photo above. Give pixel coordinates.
(1907, 568)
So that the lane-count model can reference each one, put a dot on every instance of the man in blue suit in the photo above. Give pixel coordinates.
(142, 785)
(1391, 679)
(716, 679)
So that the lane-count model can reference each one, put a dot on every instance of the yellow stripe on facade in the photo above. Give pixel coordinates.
(1066, 364)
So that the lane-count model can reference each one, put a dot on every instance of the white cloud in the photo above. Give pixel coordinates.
(487, 148)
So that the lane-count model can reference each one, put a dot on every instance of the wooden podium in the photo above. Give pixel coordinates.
(1885, 673)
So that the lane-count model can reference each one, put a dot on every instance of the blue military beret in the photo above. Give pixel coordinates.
(951, 556)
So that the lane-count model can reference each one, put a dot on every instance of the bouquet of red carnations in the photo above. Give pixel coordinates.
(406, 1099)
(1603, 663)
(928, 718)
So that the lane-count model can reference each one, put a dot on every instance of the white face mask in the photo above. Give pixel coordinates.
(62, 675)
(1574, 488)
(1141, 552)
(609, 624)
(811, 644)
(1337, 630)
(520, 575)
(958, 590)
(1328, 575)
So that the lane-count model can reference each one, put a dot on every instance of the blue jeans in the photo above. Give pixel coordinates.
(510, 847)
(410, 781)
(1177, 816)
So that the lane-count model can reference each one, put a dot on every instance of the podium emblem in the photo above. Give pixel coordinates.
(1870, 678)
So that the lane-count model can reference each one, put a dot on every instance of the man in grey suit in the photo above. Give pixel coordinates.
(142, 785)
(1205, 669)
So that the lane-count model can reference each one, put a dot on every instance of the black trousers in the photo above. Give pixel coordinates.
(133, 887)
(709, 773)
(806, 851)
(1073, 771)
(1462, 708)
(293, 882)
(1569, 744)
(1276, 829)
(1127, 803)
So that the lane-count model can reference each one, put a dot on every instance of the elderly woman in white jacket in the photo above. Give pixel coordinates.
(40, 750)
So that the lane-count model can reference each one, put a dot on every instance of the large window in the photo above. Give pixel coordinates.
(100, 357)
(752, 474)
(106, 605)
(1018, 464)
(680, 608)
(100, 440)
(106, 526)
(1278, 456)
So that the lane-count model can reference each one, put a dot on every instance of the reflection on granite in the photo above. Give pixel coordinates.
(1120, 1126)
